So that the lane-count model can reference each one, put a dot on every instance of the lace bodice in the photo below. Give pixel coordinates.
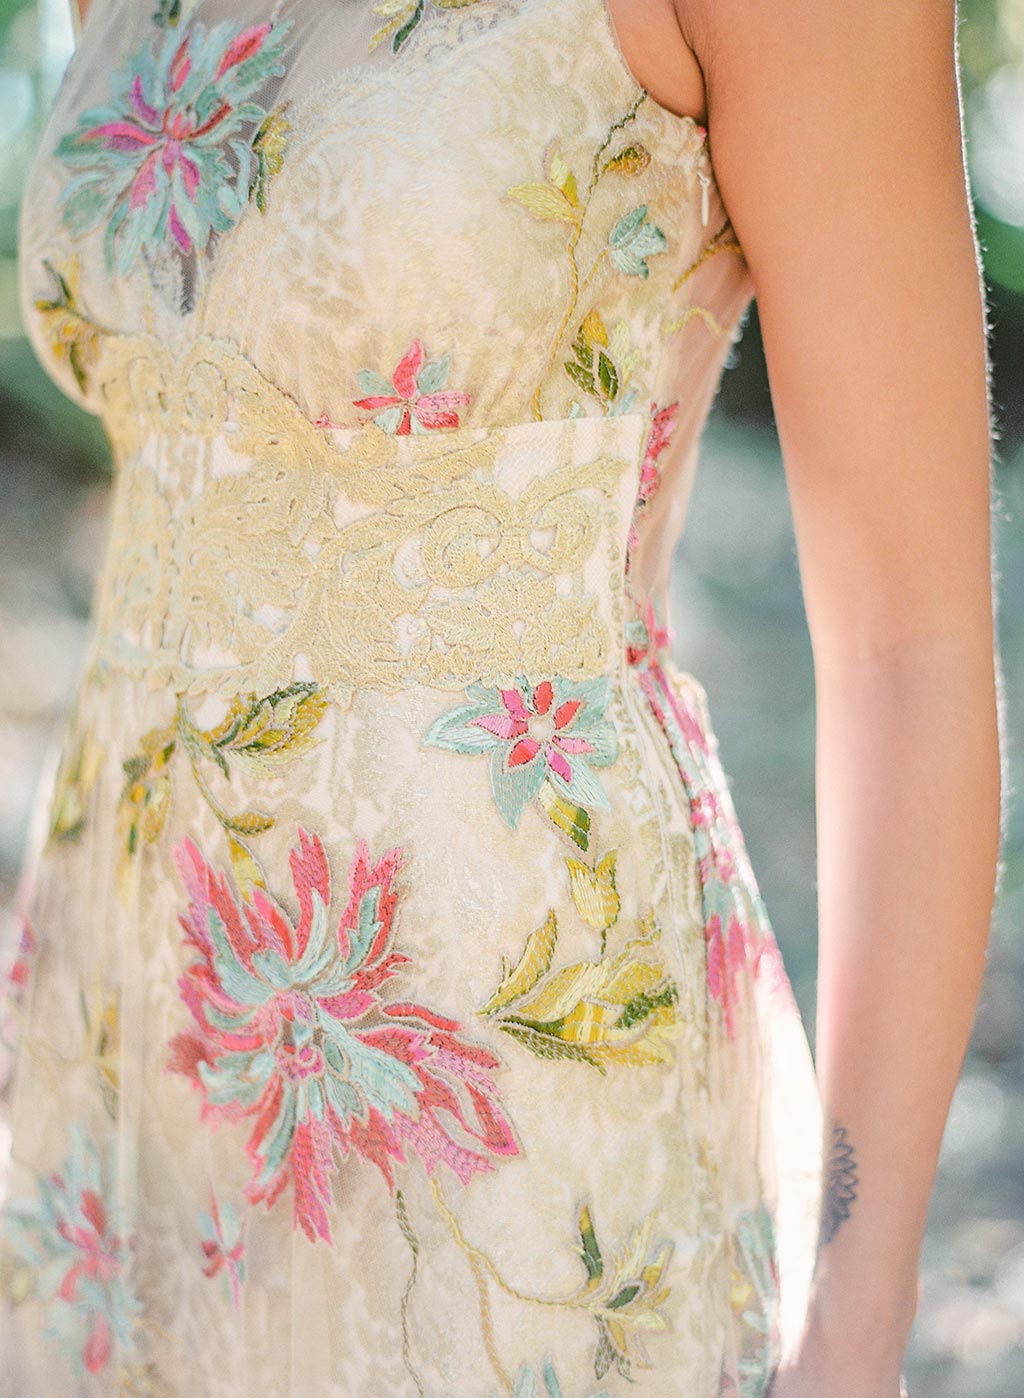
(431, 215)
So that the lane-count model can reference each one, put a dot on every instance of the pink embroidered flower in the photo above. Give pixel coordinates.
(168, 157)
(728, 964)
(742, 951)
(74, 1239)
(415, 399)
(294, 1035)
(223, 1246)
(556, 731)
(663, 422)
(20, 967)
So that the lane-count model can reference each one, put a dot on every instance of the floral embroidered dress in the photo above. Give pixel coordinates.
(395, 1011)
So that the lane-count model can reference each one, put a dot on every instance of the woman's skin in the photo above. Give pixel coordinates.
(836, 139)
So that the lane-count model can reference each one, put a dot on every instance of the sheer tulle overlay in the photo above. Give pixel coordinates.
(395, 1012)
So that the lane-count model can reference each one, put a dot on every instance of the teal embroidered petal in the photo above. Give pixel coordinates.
(73, 1238)
(169, 161)
(294, 1033)
(555, 732)
(633, 240)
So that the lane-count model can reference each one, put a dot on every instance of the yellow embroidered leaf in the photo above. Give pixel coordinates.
(264, 733)
(72, 334)
(544, 201)
(559, 994)
(247, 871)
(76, 774)
(594, 891)
(620, 1009)
(560, 175)
(399, 12)
(153, 808)
(592, 329)
(533, 963)
(622, 351)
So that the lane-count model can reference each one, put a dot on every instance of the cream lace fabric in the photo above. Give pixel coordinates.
(396, 1011)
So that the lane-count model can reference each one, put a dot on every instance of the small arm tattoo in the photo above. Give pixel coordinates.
(840, 1183)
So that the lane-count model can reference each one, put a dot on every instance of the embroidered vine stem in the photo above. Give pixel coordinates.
(482, 1260)
(697, 313)
(575, 286)
(487, 1326)
(414, 1248)
(719, 243)
(711, 248)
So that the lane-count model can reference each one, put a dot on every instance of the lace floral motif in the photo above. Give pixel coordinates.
(439, 559)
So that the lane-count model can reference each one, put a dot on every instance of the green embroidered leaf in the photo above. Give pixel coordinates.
(589, 1249)
(643, 1006)
(570, 818)
(547, 1045)
(624, 1297)
(583, 378)
(607, 375)
(265, 733)
(535, 960)
(402, 34)
(605, 1353)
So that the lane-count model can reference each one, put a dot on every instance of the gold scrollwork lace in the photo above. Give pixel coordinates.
(250, 547)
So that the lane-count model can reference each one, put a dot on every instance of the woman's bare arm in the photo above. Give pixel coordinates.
(835, 133)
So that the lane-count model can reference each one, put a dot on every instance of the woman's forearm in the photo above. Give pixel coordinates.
(908, 819)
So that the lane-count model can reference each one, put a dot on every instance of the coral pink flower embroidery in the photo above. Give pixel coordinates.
(415, 400)
(294, 1034)
(663, 422)
(73, 1237)
(742, 950)
(171, 155)
(554, 732)
(727, 953)
(223, 1246)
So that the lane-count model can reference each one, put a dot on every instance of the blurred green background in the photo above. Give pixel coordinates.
(740, 627)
